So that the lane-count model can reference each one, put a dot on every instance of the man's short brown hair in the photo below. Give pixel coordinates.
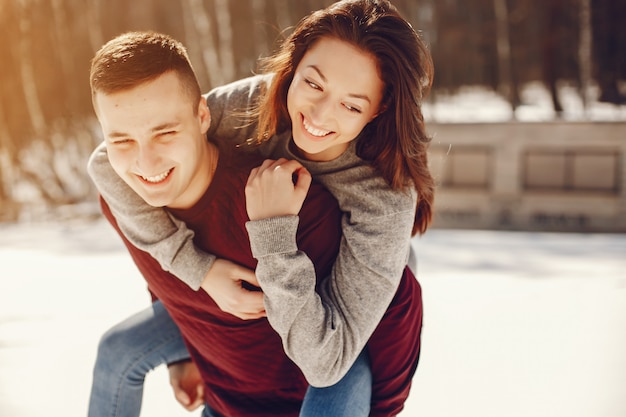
(134, 58)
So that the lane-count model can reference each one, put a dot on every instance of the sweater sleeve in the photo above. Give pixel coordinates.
(324, 331)
(153, 229)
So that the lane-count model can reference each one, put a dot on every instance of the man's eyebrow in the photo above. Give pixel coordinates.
(114, 135)
(159, 128)
(165, 126)
(359, 96)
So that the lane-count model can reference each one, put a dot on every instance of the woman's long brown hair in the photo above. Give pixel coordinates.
(395, 142)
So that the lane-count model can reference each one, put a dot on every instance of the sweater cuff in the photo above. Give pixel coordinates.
(273, 235)
(191, 268)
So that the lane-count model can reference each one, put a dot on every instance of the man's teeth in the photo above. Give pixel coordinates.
(314, 131)
(157, 178)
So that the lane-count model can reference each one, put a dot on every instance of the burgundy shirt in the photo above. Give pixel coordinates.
(242, 362)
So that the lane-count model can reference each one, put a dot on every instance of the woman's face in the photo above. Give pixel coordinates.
(336, 90)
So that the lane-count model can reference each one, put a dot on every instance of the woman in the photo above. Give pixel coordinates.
(356, 125)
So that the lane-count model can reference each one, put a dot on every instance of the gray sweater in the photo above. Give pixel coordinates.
(322, 332)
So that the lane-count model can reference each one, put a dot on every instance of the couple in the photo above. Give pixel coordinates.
(338, 308)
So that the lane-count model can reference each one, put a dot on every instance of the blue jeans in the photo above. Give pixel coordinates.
(126, 353)
(132, 348)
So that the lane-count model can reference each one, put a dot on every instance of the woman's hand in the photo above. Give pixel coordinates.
(276, 188)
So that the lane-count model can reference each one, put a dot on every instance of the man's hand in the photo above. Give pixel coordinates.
(187, 384)
(234, 289)
(271, 191)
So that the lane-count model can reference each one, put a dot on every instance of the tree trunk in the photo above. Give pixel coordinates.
(585, 51)
(6, 169)
(94, 25)
(225, 37)
(65, 54)
(259, 39)
(283, 14)
(29, 85)
(503, 48)
(202, 26)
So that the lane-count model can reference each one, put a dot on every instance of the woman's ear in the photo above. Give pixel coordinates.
(382, 109)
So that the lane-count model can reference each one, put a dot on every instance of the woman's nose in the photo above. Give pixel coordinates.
(322, 110)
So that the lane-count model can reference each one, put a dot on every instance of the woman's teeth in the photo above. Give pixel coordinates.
(314, 131)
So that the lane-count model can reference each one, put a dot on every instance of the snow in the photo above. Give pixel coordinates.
(475, 104)
(516, 324)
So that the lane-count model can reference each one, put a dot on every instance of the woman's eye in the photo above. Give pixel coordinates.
(352, 108)
(312, 84)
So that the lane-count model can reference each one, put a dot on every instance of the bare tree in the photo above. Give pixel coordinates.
(585, 50)
(551, 44)
(8, 211)
(283, 14)
(64, 53)
(503, 47)
(94, 25)
(201, 28)
(259, 38)
(225, 37)
(27, 71)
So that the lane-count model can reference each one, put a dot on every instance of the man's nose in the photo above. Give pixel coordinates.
(147, 158)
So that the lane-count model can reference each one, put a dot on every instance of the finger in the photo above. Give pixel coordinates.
(254, 172)
(181, 396)
(252, 316)
(252, 302)
(284, 164)
(304, 181)
(248, 275)
(199, 400)
(267, 164)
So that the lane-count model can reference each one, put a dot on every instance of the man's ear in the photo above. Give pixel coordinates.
(204, 115)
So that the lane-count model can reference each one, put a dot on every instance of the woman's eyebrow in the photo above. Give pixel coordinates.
(352, 95)
(319, 72)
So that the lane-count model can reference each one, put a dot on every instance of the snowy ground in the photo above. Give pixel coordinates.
(516, 324)
(475, 104)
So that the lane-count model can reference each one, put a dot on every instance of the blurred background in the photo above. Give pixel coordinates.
(528, 119)
(508, 62)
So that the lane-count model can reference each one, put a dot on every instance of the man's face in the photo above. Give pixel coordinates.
(155, 142)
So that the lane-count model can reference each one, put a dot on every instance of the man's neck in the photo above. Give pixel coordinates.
(202, 182)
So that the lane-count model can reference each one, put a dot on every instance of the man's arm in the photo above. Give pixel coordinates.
(187, 384)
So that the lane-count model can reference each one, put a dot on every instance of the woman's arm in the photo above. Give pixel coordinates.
(323, 332)
(151, 229)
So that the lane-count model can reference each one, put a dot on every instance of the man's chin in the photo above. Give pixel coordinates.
(154, 201)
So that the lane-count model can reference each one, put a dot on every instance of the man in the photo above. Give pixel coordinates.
(154, 120)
